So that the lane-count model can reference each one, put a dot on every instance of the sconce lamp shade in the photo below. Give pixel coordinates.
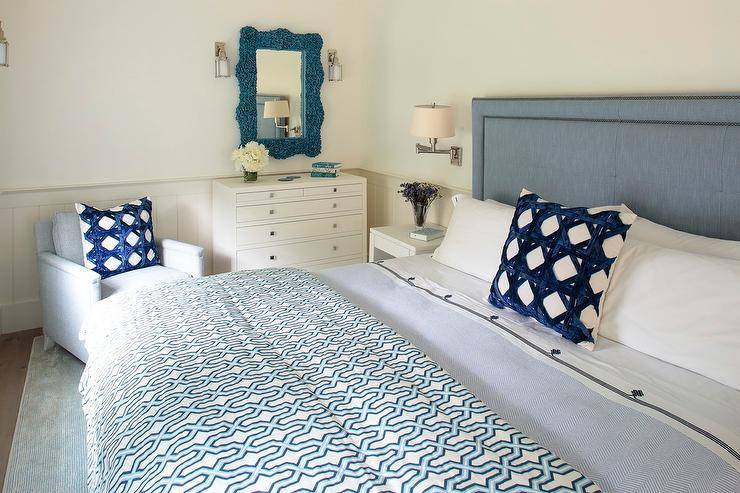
(277, 109)
(432, 121)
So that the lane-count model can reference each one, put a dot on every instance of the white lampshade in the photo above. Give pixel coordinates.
(277, 109)
(432, 121)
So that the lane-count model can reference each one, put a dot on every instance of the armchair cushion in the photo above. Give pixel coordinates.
(65, 232)
(119, 239)
(138, 278)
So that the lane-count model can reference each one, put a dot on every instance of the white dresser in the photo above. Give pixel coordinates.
(308, 222)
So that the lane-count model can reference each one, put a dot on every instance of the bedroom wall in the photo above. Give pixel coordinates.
(450, 52)
(102, 91)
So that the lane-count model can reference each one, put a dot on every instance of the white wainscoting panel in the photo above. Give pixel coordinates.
(182, 211)
(387, 207)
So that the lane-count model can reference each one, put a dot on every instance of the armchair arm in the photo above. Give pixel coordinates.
(182, 256)
(76, 271)
(68, 291)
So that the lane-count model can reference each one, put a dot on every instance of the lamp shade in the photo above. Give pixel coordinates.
(277, 109)
(432, 121)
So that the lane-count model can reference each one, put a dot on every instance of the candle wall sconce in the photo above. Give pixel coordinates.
(3, 48)
(222, 66)
(335, 68)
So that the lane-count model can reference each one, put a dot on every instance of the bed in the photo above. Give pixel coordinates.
(399, 376)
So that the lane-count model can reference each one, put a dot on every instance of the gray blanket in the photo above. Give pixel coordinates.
(616, 446)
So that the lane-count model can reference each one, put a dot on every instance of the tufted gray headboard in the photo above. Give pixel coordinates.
(672, 159)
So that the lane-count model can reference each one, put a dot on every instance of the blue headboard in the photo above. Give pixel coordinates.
(672, 159)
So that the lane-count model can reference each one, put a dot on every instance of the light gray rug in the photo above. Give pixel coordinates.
(48, 451)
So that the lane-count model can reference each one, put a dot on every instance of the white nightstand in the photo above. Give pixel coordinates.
(393, 242)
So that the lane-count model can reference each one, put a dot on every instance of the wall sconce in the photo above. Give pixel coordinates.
(222, 61)
(3, 48)
(335, 68)
(277, 109)
(435, 122)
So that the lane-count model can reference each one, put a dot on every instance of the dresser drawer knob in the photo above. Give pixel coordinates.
(334, 205)
(335, 190)
(335, 248)
(335, 225)
(272, 211)
(272, 194)
(272, 257)
(272, 233)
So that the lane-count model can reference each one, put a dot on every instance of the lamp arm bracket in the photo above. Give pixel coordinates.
(454, 152)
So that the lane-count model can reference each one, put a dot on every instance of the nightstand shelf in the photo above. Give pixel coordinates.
(394, 242)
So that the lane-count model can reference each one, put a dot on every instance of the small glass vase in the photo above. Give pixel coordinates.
(420, 214)
(250, 176)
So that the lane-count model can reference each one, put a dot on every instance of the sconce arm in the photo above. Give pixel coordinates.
(454, 152)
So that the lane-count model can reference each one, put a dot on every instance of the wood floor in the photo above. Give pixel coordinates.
(15, 350)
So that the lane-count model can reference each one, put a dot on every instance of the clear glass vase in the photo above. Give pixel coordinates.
(250, 176)
(420, 214)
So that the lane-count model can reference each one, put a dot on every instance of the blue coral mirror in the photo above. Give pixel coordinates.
(280, 77)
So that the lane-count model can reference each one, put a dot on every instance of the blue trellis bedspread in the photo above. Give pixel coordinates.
(271, 381)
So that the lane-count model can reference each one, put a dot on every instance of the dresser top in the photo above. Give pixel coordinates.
(270, 182)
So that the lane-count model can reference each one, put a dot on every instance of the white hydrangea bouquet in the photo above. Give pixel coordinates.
(250, 158)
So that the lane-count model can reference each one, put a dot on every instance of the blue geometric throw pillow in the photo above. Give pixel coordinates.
(118, 239)
(556, 263)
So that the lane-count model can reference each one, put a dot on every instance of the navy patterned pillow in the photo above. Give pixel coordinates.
(556, 263)
(118, 239)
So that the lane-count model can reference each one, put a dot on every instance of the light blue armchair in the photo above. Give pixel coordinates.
(68, 289)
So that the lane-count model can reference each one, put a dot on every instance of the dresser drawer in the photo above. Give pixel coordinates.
(247, 197)
(251, 235)
(296, 253)
(330, 190)
(283, 210)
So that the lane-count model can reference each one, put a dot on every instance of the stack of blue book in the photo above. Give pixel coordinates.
(325, 169)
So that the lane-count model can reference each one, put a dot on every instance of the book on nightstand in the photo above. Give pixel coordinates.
(426, 234)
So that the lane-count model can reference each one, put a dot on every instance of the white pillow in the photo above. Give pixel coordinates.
(680, 307)
(475, 236)
(664, 236)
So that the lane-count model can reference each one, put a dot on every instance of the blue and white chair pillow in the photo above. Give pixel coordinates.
(118, 239)
(556, 263)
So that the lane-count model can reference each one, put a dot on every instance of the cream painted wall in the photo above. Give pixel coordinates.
(450, 52)
(108, 92)
(103, 91)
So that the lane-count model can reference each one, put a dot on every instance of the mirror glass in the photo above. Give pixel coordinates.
(279, 94)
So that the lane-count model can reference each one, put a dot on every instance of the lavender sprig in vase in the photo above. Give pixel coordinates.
(420, 195)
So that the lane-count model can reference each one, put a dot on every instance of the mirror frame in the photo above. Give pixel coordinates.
(309, 45)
